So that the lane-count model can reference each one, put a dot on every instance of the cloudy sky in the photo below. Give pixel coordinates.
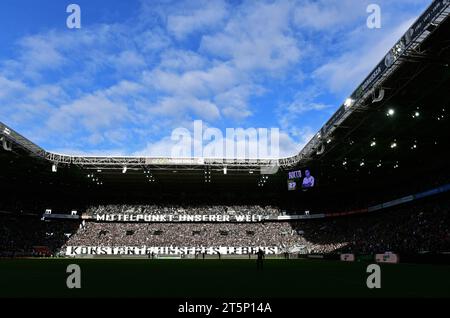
(137, 70)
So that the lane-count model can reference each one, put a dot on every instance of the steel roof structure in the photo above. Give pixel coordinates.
(371, 90)
(359, 139)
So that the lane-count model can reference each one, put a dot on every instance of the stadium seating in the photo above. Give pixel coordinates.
(416, 227)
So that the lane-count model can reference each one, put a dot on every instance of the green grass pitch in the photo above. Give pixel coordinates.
(226, 278)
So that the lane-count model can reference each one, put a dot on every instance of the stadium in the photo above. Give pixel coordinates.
(372, 186)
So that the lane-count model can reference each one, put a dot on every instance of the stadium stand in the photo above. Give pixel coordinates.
(414, 228)
(177, 210)
(368, 197)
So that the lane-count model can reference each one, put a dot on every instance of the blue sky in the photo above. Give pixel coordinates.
(137, 70)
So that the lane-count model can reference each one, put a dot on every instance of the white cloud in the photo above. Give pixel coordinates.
(9, 87)
(153, 40)
(291, 145)
(160, 148)
(91, 112)
(180, 107)
(234, 102)
(124, 88)
(217, 148)
(180, 60)
(293, 116)
(257, 37)
(193, 83)
(329, 16)
(195, 16)
(350, 69)
(126, 85)
(40, 54)
(92, 152)
(127, 60)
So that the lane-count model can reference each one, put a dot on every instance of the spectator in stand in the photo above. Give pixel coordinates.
(412, 228)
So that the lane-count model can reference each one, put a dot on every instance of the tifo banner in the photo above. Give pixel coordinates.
(176, 218)
(348, 257)
(387, 258)
(167, 250)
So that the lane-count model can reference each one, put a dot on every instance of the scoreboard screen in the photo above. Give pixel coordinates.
(294, 180)
(297, 174)
(298, 179)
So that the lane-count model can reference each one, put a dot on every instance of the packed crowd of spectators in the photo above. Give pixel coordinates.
(23, 235)
(186, 234)
(407, 229)
(180, 210)
(413, 228)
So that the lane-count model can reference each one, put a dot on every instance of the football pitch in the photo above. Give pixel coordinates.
(225, 278)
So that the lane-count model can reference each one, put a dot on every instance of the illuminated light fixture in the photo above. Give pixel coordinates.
(393, 145)
(124, 170)
(416, 114)
(344, 163)
(99, 170)
(54, 167)
(362, 163)
(379, 165)
(224, 170)
(348, 102)
(414, 146)
(328, 141)
(373, 143)
(390, 112)
(251, 172)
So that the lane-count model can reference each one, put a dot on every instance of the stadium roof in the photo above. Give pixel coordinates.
(402, 106)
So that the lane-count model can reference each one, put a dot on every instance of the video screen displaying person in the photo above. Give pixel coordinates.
(308, 180)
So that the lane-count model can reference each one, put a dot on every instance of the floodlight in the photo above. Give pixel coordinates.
(348, 102)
